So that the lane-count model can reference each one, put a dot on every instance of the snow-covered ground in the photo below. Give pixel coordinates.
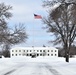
(37, 66)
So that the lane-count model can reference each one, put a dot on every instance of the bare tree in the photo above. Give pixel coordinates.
(62, 23)
(10, 36)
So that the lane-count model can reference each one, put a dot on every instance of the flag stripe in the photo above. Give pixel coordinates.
(37, 16)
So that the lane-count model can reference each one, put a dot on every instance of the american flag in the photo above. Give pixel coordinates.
(37, 16)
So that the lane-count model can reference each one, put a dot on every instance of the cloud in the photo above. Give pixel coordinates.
(23, 11)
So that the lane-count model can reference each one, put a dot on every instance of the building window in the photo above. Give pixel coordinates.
(23, 54)
(27, 54)
(51, 50)
(55, 54)
(55, 50)
(48, 54)
(27, 50)
(24, 50)
(48, 50)
(16, 54)
(12, 54)
(40, 50)
(30, 54)
(30, 50)
(37, 54)
(16, 50)
(19, 54)
(43, 50)
(19, 50)
(40, 54)
(37, 50)
(51, 54)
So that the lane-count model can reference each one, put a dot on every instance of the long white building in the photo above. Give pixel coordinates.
(34, 51)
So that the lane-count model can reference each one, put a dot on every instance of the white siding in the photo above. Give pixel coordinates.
(39, 51)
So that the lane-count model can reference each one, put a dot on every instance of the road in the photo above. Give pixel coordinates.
(37, 66)
(30, 68)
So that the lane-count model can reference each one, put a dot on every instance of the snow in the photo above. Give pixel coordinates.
(37, 66)
(55, 6)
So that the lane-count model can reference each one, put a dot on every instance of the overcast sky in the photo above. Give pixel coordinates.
(23, 11)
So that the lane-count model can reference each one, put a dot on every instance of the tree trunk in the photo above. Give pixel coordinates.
(67, 57)
(66, 53)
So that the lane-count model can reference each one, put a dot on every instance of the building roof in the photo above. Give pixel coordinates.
(33, 48)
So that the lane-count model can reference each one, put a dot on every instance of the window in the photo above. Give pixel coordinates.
(19, 50)
(40, 54)
(12, 54)
(37, 50)
(19, 54)
(48, 54)
(16, 54)
(16, 50)
(30, 54)
(27, 50)
(37, 54)
(24, 50)
(30, 50)
(51, 54)
(51, 50)
(55, 50)
(27, 54)
(40, 50)
(48, 50)
(23, 54)
(55, 54)
(43, 50)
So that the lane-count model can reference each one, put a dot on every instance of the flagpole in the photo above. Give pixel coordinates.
(33, 37)
(36, 16)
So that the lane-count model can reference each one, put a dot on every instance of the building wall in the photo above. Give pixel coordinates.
(38, 51)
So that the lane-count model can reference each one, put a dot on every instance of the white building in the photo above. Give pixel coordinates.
(34, 51)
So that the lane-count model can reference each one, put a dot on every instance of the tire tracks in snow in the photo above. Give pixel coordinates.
(9, 72)
(12, 69)
(43, 67)
(52, 70)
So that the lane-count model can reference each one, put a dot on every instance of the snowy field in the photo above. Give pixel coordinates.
(37, 66)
